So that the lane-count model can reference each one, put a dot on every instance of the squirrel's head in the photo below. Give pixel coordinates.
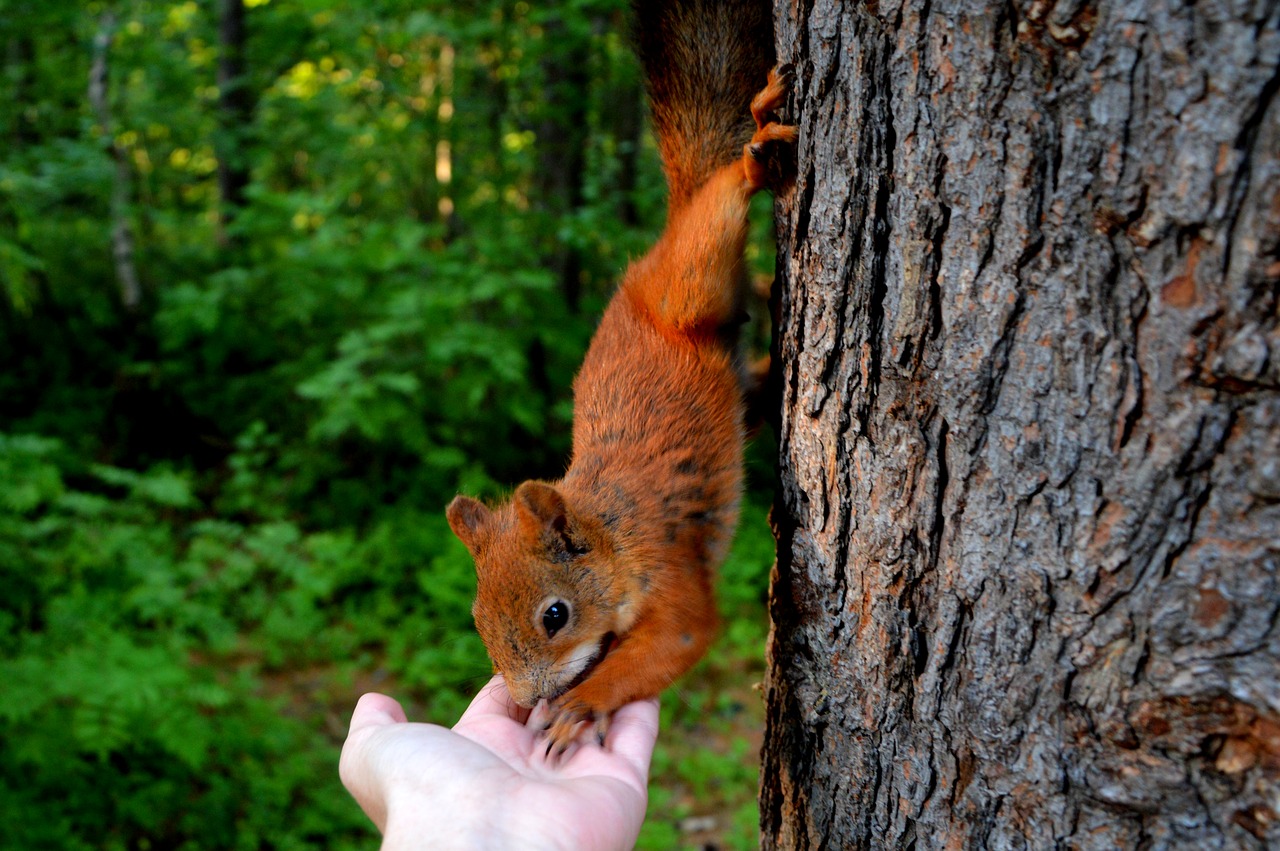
(547, 604)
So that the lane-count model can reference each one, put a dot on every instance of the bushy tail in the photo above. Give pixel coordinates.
(704, 60)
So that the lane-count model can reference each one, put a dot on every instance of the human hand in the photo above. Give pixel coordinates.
(489, 783)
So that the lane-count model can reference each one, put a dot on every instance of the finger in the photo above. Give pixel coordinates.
(376, 710)
(373, 711)
(634, 732)
(494, 700)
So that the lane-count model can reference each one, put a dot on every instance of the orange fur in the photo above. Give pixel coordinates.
(628, 541)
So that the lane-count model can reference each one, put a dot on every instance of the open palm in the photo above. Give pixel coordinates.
(488, 782)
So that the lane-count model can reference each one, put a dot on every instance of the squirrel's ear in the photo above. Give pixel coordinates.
(541, 505)
(543, 510)
(467, 518)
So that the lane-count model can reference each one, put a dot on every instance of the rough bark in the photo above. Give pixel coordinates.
(1029, 519)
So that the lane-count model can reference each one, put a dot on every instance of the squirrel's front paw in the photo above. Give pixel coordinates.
(564, 724)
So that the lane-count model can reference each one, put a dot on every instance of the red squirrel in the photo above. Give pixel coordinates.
(596, 590)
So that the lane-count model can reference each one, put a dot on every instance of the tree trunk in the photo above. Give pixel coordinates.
(18, 70)
(562, 144)
(1029, 519)
(236, 103)
(121, 197)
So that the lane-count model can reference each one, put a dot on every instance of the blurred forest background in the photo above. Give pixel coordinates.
(277, 280)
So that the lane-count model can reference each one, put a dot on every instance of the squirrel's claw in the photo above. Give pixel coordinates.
(770, 133)
(601, 727)
(767, 102)
(565, 723)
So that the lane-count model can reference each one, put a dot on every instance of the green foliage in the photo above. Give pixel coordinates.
(221, 512)
(124, 661)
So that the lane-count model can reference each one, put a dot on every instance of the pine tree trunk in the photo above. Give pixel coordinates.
(1027, 589)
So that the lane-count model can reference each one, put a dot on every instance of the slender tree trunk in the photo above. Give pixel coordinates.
(562, 145)
(1027, 589)
(121, 228)
(628, 127)
(20, 57)
(630, 132)
(235, 111)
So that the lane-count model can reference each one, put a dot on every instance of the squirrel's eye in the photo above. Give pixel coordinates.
(555, 617)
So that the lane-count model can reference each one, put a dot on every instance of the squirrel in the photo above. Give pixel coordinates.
(597, 590)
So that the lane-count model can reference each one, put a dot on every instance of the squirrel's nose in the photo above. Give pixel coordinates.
(522, 691)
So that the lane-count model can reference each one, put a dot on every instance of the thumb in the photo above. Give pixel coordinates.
(376, 710)
(355, 766)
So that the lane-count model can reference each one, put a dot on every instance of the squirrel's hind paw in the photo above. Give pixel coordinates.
(765, 105)
(763, 159)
